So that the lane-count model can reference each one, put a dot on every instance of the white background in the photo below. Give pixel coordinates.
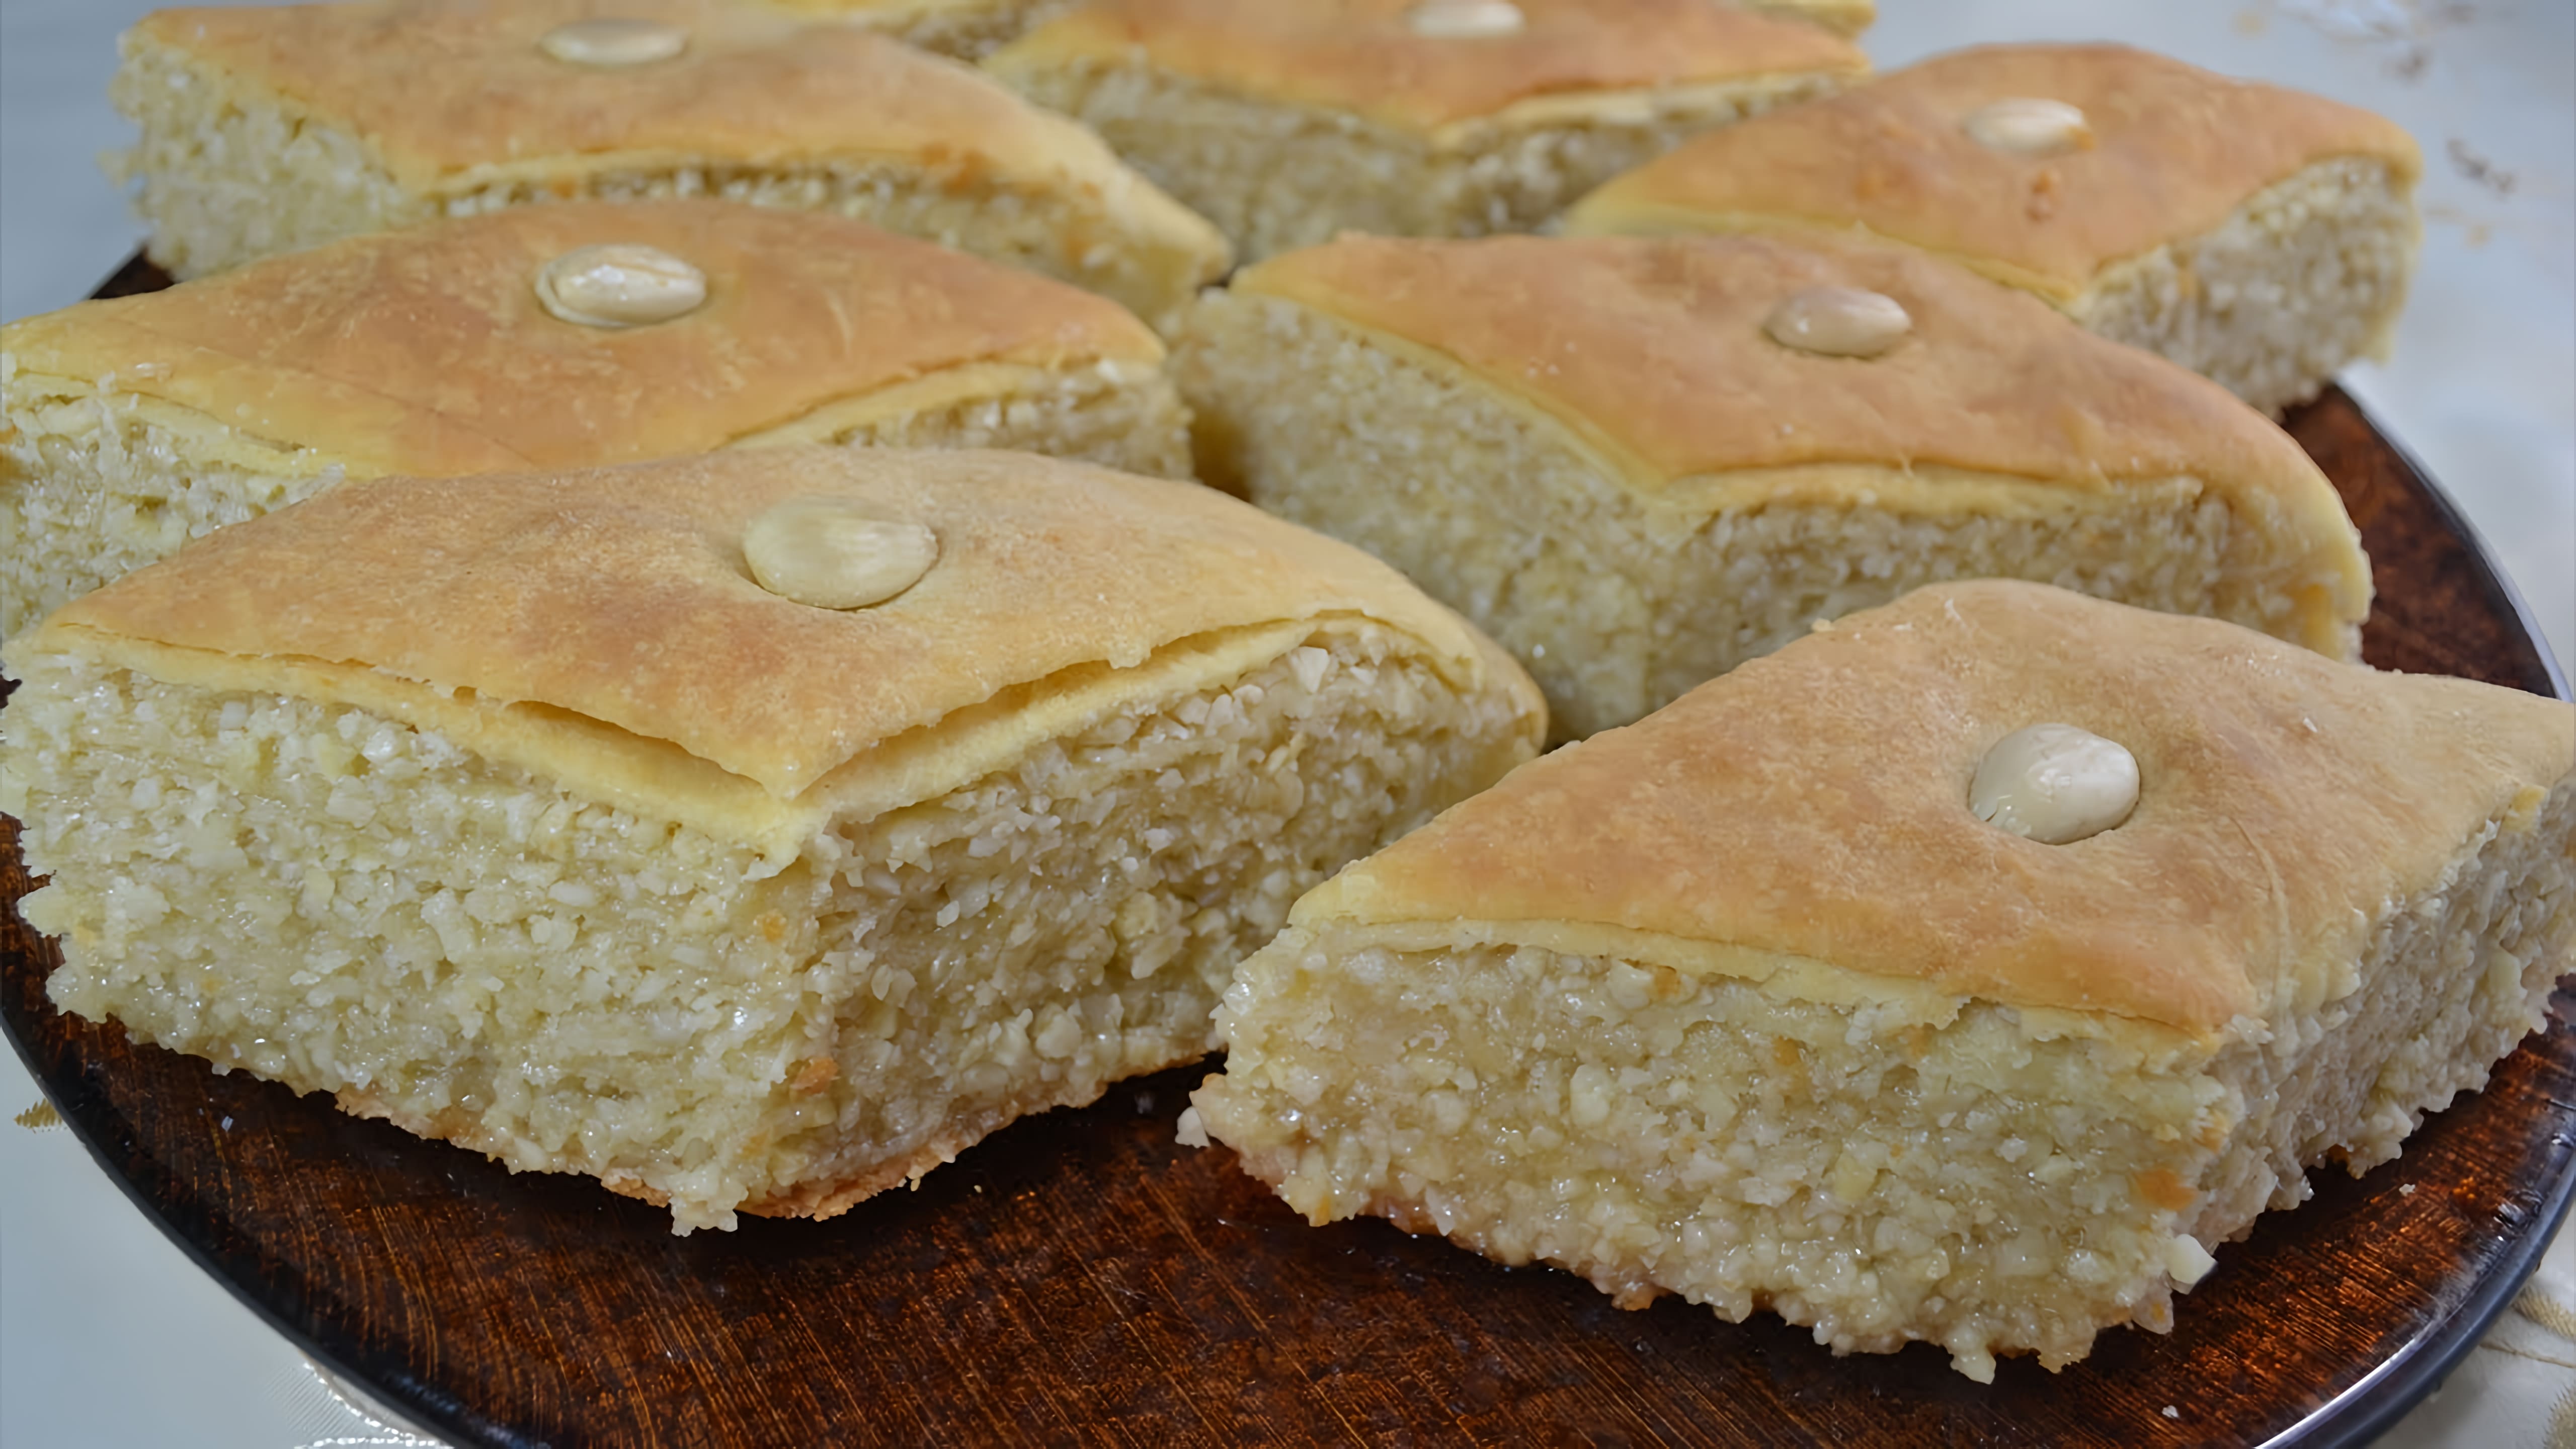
(109, 1337)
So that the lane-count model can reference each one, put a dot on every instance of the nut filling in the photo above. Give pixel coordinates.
(2055, 784)
(830, 553)
(610, 42)
(620, 285)
(1465, 19)
(1838, 322)
(2028, 127)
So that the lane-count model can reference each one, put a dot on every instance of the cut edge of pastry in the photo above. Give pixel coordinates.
(99, 476)
(1726, 1137)
(2339, 236)
(782, 1027)
(965, 30)
(657, 778)
(2003, 1117)
(1603, 631)
(1513, 170)
(266, 174)
(2343, 231)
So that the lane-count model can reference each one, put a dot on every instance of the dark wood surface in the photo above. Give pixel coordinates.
(1080, 1279)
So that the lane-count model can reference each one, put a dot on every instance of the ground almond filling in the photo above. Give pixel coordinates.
(1275, 176)
(224, 182)
(92, 487)
(91, 490)
(1619, 605)
(1875, 1177)
(482, 957)
(2307, 276)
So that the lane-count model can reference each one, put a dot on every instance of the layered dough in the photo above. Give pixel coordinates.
(1746, 1003)
(2261, 236)
(1287, 124)
(513, 809)
(1596, 450)
(271, 129)
(136, 424)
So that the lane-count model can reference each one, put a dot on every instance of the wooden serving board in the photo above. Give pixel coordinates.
(1081, 1279)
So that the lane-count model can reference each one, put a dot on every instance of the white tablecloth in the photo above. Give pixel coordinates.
(109, 1337)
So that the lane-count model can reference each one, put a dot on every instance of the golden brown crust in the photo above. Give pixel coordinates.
(1361, 56)
(1813, 804)
(620, 598)
(1654, 347)
(455, 94)
(1846, 18)
(2174, 150)
(427, 352)
(1653, 351)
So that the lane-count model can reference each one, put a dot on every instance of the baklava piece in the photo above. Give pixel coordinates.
(752, 832)
(1288, 123)
(1969, 973)
(275, 128)
(1640, 462)
(541, 337)
(2259, 236)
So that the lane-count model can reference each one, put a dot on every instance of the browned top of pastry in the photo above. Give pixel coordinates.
(428, 351)
(1814, 804)
(1371, 57)
(2165, 151)
(459, 94)
(1655, 352)
(1846, 18)
(622, 600)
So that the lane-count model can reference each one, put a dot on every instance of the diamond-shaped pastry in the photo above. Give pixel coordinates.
(2257, 234)
(1748, 1004)
(517, 810)
(1639, 462)
(139, 423)
(266, 129)
(1287, 123)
